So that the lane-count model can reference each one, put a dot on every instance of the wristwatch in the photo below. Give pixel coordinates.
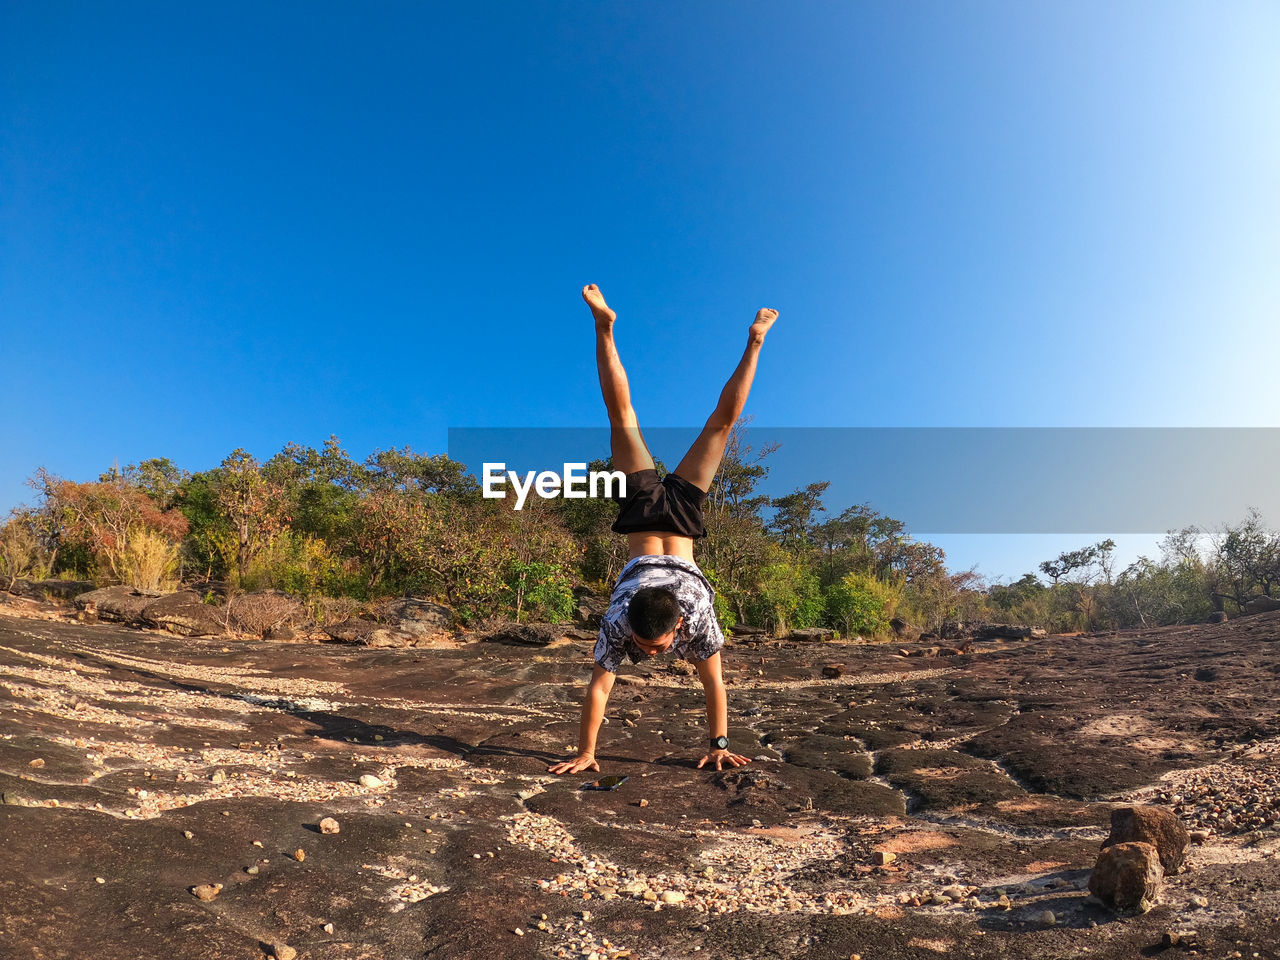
(719, 743)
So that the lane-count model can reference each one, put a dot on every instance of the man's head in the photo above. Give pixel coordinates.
(654, 616)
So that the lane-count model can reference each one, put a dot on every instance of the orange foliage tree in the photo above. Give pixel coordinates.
(112, 518)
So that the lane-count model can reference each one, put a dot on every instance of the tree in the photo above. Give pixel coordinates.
(1080, 570)
(405, 470)
(130, 537)
(1085, 561)
(21, 552)
(589, 521)
(737, 548)
(793, 523)
(252, 504)
(1247, 559)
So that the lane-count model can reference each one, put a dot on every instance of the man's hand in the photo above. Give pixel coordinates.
(722, 757)
(583, 761)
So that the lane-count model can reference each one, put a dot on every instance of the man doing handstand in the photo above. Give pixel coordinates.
(662, 601)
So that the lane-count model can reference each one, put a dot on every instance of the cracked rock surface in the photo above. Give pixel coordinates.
(908, 807)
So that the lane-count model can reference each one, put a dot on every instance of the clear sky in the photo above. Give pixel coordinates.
(227, 225)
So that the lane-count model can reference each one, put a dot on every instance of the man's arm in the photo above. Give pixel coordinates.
(709, 673)
(593, 706)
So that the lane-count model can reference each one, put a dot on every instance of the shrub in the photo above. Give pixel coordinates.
(787, 597)
(862, 604)
(21, 553)
(107, 518)
(150, 561)
(300, 565)
(544, 591)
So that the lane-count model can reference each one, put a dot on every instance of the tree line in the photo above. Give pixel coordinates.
(321, 526)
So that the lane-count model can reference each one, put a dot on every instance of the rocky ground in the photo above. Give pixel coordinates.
(911, 807)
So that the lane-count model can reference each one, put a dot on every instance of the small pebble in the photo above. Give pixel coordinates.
(206, 891)
(282, 951)
(330, 825)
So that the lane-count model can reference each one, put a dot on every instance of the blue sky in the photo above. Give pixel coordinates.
(242, 224)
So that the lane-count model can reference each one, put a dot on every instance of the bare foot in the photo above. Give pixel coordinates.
(599, 309)
(760, 326)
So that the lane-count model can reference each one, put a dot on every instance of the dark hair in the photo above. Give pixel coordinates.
(652, 612)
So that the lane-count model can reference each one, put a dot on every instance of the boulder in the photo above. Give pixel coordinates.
(1154, 825)
(118, 604)
(184, 613)
(421, 620)
(400, 622)
(220, 589)
(58, 590)
(589, 610)
(1218, 616)
(903, 630)
(1009, 631)
(364, 632)
(269, 613)
(524, 634)
(812, 635)
(1262, 604)
(955, 630)
(833, 671)
(1127, 876)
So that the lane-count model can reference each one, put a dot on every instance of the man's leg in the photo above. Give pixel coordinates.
(629, 451)
(700, 464)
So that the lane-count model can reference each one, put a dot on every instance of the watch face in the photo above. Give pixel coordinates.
(720, 743)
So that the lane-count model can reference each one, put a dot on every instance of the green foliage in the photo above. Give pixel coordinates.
(539, 591)
(725, 614)
(208, 550)
(787, 597)
(1247, 560)
(303, 566)
(589, 522)
(333, 531)
(861, 604)
(130, 537)
(22, 554)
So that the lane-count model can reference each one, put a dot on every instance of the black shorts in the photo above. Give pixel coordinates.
(669, 505)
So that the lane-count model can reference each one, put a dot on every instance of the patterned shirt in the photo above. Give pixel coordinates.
(698, 638)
